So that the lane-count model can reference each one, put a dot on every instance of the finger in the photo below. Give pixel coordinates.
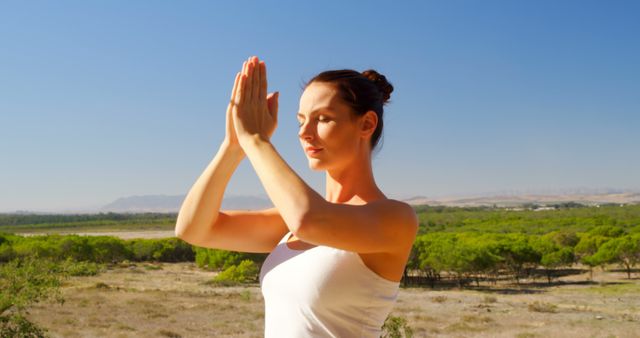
(262, 93)
(255, 81)
(240, 95)
(275, 110)
(242, 71)
(272, 101)
(235, 88)
(248, 93)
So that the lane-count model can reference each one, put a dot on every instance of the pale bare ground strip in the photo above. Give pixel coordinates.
(120, 234)
(175, 300)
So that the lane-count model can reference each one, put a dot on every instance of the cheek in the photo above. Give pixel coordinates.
(331, 135)
(325, 132)
(339, 138)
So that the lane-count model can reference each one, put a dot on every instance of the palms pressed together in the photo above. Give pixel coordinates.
(252, 113)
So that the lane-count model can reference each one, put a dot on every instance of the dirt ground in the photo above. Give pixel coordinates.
(175, 300)
(120, 234)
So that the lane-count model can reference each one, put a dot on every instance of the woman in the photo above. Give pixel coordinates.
(335, 262)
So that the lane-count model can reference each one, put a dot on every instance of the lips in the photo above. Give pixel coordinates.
(312, 150)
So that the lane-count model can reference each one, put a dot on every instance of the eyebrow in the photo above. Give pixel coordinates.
(317, 110)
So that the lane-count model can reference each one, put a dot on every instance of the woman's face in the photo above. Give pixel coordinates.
(328, 129)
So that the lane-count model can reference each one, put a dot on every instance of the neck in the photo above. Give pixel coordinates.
(354, 183)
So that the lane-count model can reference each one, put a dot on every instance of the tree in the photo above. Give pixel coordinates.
(517, 252)
(588, 245)
(552, 253)
(552, 260)
(623, 250)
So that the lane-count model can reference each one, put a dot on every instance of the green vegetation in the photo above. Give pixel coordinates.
(466, 245)
(472, 256)
(215, 259)
(245, 272)
(474, 244)
(396, 327)
(24, 282)
(501, 220)
(97, 222)
(460, 246)
(97, 249)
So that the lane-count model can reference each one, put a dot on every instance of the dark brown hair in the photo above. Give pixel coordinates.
(364, 91)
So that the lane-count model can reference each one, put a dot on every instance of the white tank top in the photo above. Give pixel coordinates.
(323, 292)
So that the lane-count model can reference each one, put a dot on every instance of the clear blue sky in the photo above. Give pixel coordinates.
(107, 99)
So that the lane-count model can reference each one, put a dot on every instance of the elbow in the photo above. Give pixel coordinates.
(179, 230)
(184, 222)
(183, 227)
(307, 222)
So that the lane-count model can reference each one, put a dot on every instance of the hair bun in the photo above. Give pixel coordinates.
(381, 82)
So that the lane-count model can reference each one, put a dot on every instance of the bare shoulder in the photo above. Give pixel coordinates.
(397, 209)
(399, 215)
(381, 225)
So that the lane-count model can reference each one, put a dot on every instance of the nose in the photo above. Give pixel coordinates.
(306, 131)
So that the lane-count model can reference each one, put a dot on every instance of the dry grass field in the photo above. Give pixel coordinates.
(176, 300)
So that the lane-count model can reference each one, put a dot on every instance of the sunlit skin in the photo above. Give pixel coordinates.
(354, 215)
(326, 122)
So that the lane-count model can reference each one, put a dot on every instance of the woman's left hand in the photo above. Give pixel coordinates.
(255, 113)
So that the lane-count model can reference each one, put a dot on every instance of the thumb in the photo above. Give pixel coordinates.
(272, 103)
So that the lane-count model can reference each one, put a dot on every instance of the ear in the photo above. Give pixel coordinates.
(368, 123)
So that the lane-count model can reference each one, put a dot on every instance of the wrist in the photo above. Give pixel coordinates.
(252, 141)
(231, 147)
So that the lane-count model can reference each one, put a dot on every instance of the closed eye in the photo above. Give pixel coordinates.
(321, 118)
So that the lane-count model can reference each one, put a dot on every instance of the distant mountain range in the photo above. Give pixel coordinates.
(172, 203)
(508, 200)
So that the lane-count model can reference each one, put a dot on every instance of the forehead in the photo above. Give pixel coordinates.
(319, 95)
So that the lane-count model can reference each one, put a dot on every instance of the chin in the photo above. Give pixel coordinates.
(315, 165)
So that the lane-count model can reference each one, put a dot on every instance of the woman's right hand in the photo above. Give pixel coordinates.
(230, 137)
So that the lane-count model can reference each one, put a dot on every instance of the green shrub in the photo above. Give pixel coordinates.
(215, 259)
(38, 246)
(17, 325)
(75, 247)
(143, 249)
(107, 249)
(6, 252)
(244, 272)
(174, 250)
(161, 250)
(81, 268)
(396, 327)
(24, 282)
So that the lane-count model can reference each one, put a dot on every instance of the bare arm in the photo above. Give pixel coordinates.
(201, 206)
(200, 221)
(200, 209)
